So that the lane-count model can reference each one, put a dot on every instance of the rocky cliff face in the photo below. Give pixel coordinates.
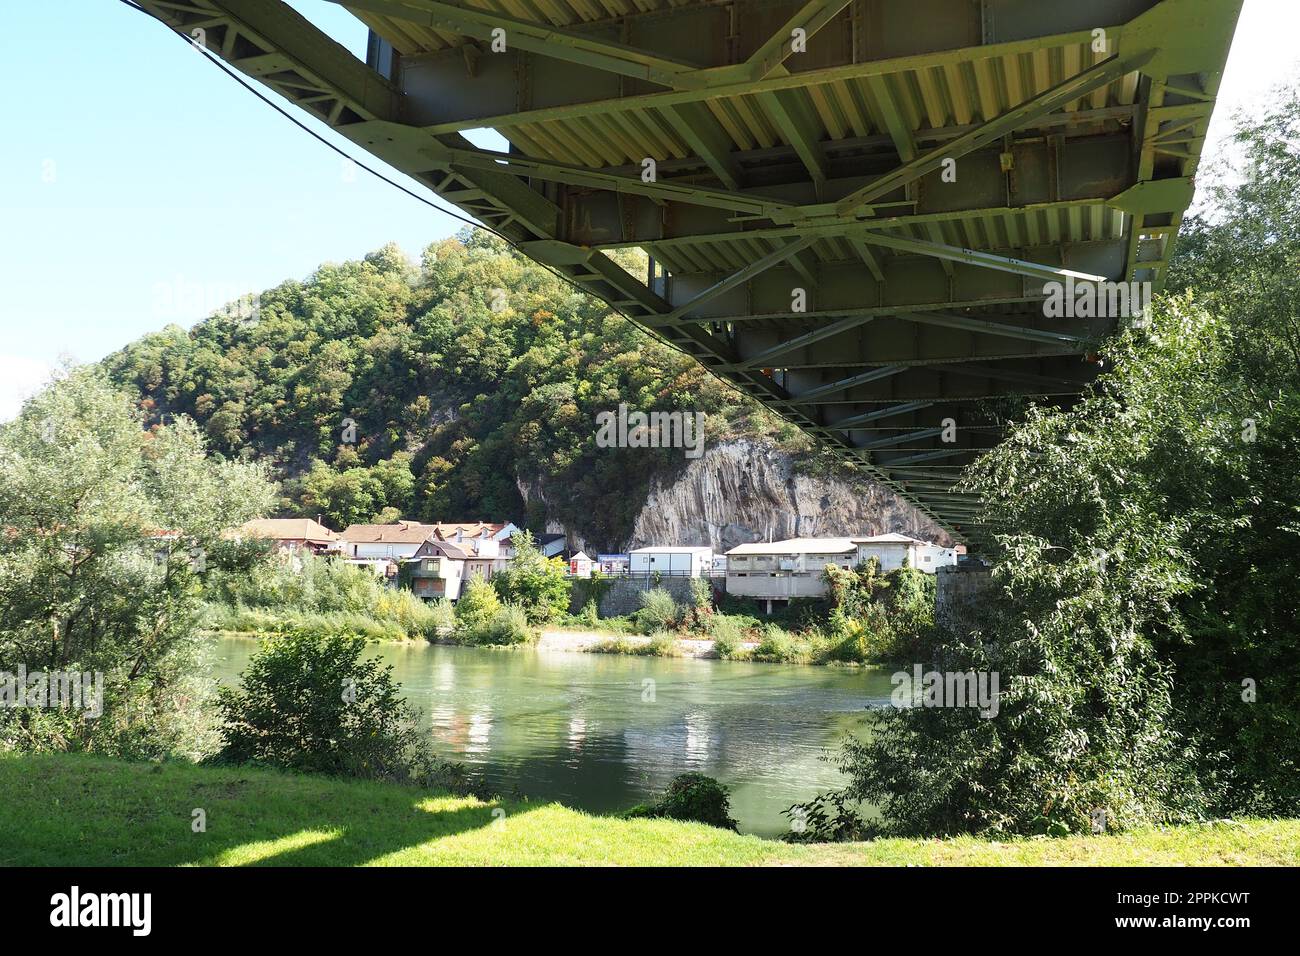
(742, 491)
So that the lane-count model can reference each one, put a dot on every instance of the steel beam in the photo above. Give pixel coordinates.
(542, 40)
(1102, 74)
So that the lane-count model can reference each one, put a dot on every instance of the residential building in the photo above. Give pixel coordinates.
(437, 570)
(486, 543)
(678, 560)
(291, 534)
(551, 545)
(370, 542)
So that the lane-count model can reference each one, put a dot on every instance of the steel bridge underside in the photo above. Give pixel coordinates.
(856, 230)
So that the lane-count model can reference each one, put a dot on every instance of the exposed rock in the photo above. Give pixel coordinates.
(741, 491)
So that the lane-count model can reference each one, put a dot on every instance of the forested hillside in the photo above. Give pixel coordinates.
(376, 388)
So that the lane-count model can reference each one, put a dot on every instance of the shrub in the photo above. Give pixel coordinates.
(909, 602)
(658, 611)
(827, 818)
(775, 646)
(311, 703)
(860, 640)
(739, 607)
(701, 608)
(617, 645)
(508, 626)
(477, 606)
(727, 635)
(417, 618)
(589, 616)
(694, 797)
(442, 619)
(663, 644)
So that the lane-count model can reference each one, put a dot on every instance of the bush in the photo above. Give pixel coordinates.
(775, 646)
(508, 626)
(311, 703)
(909, 602)
(658, 611)
(298, 582)
(589, 616)
(739, 607)
(860, 640)
(727, 635)
(477, 606)
(663, 644)
(827, 818)
(442, 619)
(701, 607)
(694, 797)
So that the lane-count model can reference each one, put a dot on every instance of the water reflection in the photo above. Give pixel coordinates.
(579, 728)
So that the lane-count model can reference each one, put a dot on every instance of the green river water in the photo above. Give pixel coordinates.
(603, 732)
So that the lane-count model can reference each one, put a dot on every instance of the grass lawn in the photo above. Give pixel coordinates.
(73, 810)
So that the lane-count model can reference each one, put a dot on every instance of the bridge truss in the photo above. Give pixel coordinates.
(852, 209)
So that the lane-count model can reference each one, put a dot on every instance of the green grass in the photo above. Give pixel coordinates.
(73, 810)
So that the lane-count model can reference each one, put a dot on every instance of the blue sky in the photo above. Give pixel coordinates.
(141, 186)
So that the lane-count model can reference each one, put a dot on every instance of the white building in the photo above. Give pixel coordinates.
(488, 544)
(892, 550)
(369, 542)
(780, 570)
(680, 561)
(580, 565)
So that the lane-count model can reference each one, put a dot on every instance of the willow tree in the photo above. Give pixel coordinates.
(108, 530)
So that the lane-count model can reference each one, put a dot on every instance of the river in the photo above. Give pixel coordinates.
(603, 732)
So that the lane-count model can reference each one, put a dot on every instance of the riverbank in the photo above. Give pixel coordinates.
(561, 639)
(76, 810)
(582, 642)
(612, 642)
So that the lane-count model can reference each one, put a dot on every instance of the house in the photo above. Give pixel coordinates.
(580, 565)
(893, 550)
(688, 561)
(291, 534)
(551, 545)
(371, 542)
(437, 570)
(780, 570)
(487, 544)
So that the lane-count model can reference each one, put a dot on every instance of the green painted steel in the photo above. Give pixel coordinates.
(860, 212)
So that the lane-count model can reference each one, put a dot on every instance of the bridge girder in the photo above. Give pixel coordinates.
(917, 170)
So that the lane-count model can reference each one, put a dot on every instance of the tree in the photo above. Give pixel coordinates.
(1144, 619)
(108, 530)
(313, 703)
(536, 583)
(477, 606)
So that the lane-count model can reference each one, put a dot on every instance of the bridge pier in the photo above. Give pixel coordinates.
(958, 591)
